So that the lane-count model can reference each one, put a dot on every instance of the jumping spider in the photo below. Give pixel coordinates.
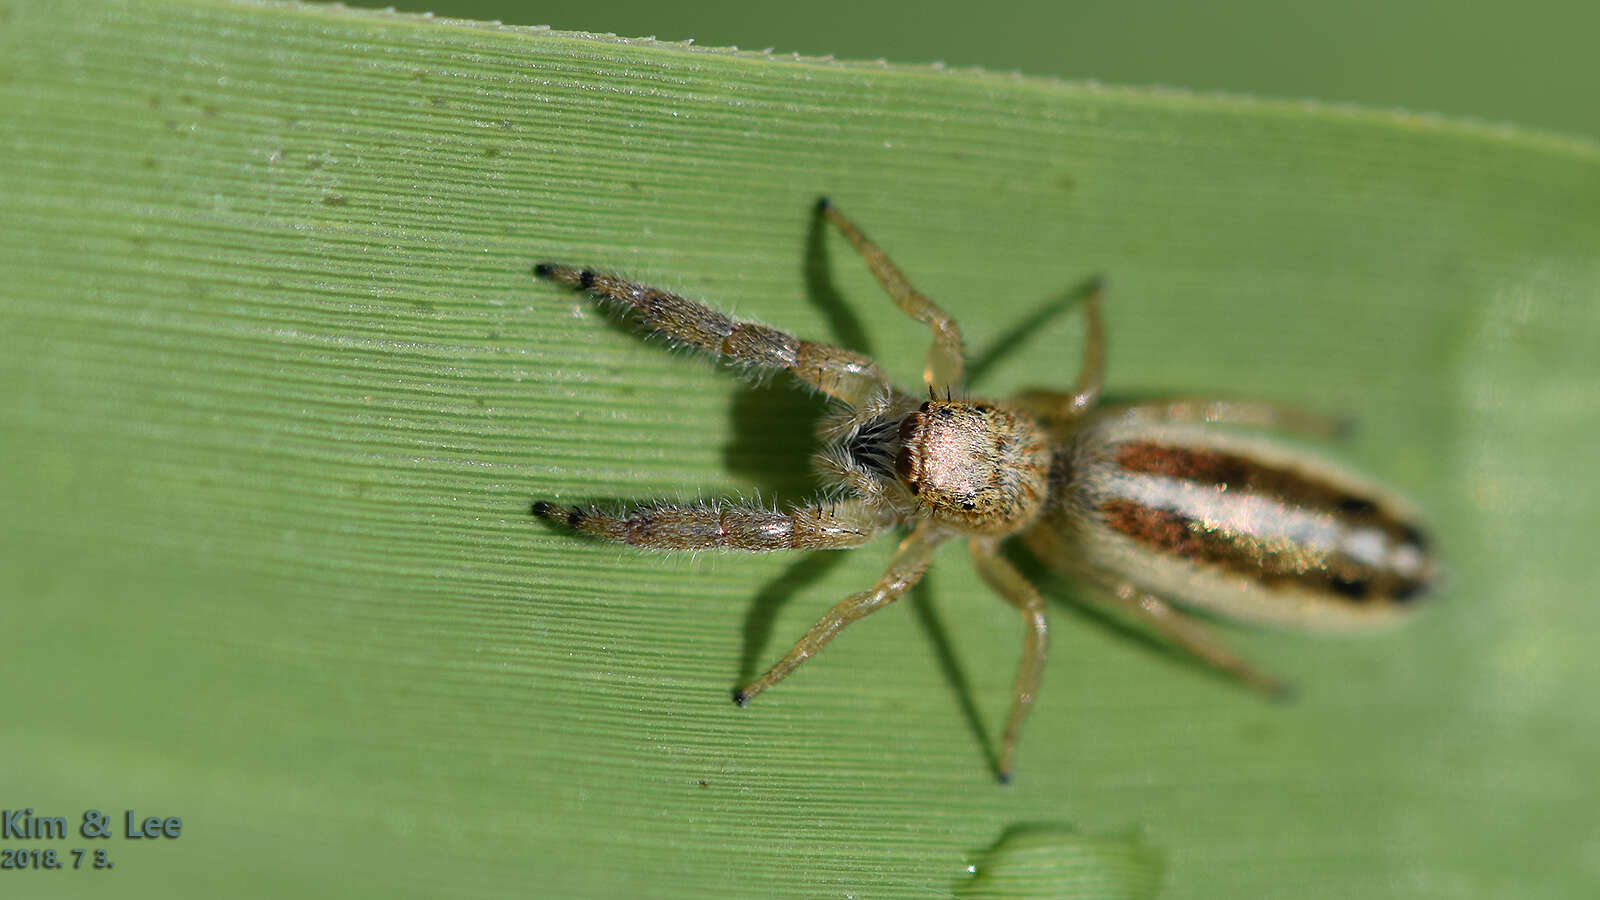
(1149, 502)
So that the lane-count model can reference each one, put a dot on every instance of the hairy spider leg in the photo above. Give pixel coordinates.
(1186, 633)
(1064, 406)
(1061, 406)
(842, 374)
(946, 358)
(723, 525)
(1010, 584)
(905, 570)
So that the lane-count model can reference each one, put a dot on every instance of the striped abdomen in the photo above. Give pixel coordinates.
(1244, 527)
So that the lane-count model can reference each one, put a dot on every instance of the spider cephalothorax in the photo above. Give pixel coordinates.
(977, 467)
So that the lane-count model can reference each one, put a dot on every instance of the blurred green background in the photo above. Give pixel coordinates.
(1532, 63)
(277, 389)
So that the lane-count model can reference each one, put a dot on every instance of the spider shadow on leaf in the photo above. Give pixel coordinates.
(775, 425)
(950, 665)
(1007, 342)
(815, 567)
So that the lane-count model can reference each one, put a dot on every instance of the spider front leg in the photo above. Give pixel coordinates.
(1017, 591)
(905, 570)
(946, 358)
(723, 526)
(839, 373)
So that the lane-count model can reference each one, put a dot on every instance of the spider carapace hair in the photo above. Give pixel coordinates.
(1151, 504)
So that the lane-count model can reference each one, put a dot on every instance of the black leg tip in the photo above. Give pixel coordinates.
(740, 697)
(541, 509)
(545, 270)
(586, 279)
(824, 204)
(1097, 284)
(1283, 694)
(1003, 777)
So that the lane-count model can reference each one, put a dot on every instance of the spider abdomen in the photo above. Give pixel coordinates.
(1242, 526)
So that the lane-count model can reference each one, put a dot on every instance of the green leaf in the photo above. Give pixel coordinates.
(277, 391)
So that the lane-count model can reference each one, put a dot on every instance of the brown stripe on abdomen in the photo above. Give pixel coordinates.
(1271, 561)
(1236, 472)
